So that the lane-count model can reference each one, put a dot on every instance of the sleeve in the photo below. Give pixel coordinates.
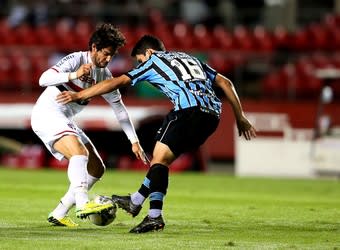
(113, 96)
(59, 73)
(141, 73)
(122, 115)
(211, 73)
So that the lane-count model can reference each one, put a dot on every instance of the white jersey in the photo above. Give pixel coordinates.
(57, 77)
(50, 120)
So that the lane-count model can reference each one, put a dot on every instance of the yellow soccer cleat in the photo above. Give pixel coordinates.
(92, 208)
(63, 222)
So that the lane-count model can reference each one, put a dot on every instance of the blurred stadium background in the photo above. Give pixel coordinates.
(280, 54)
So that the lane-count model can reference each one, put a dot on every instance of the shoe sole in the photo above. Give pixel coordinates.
(115, 199)
(150, 229)
(57, 223)
(84, 215)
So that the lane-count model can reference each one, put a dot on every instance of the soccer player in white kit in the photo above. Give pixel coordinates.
(54, 125)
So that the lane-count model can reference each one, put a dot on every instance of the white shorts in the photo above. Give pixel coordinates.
(52, 125)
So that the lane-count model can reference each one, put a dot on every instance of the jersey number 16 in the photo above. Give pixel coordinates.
(189, 69)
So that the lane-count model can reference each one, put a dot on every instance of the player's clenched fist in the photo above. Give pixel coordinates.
(84, 69)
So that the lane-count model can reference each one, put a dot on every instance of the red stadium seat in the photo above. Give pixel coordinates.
(329, 20)
(263, 39)
(83, 29)
(163, 31)
(335, 39)
(223, 38)
(8, 37)
(304, 67)
(66, 40)
(130, 37)
(335, 60)
(142, 30)
(39, 62)
(156, 18)
(5, 71)
(184, 36)
(281, 37)
(273, 86)
(320, 61)
(220, 62)
(203, 38)
(46, 36)
(21, 71)
(300, 40)
(25, 35)
(244, 39)
(318, 36)
(308, 87)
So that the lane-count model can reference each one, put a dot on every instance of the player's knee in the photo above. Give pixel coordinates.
(83, 151)
(164, 159)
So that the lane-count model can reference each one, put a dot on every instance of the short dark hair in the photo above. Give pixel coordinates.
(107, 35)
(147, 42)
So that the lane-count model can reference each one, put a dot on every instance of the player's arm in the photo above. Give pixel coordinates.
(128, 128)
(68, 68)
(122, 115)
(100, 88)
(245, 128)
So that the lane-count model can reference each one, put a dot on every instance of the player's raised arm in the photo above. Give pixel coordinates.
(100, 88)
(244, 127)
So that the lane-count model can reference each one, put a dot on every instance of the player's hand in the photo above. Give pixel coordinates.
(84, 70)
(245, 128)
(139, 153)
(67, 96)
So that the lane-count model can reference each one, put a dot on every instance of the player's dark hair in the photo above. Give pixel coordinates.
(147, 42)
(107, 35)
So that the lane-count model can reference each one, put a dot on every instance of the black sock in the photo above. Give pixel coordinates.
(145, 187)
(159, 180)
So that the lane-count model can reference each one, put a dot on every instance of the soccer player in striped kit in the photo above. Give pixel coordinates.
(54, 125)
(188, 83)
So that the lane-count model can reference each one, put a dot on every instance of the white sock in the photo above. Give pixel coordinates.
(77, 174)
(65, 204)
(154, 213)
(91, 180)
(137, 198)
(68, 200)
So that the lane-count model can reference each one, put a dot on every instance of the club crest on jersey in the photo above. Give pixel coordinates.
(71, 126)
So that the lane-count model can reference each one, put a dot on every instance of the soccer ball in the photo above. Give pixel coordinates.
(106, 217)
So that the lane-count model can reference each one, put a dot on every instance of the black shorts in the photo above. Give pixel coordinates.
(187, 129)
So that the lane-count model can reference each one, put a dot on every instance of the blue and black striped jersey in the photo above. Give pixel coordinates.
(183, 78)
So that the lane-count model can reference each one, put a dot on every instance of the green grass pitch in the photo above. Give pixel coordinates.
(202, 211)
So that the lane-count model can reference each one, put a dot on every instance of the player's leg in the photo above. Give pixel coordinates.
(75, 151)
(178, 134)
(133, 204)
(73, 148)
(95, 169)
(95, 166)
(158, 176)
(163, 157)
